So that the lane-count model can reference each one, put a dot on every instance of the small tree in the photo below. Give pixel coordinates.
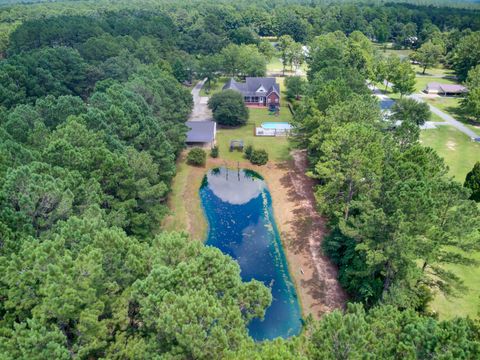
(214, 152)
(296, 86)
(471, 103)
(228, 108)
(411, 110)
(472, 182)
(428, 55)
(259, 157)
(197, 157)
(404, 79)
(248, 151)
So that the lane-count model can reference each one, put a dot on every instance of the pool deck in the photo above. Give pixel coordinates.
(301, 228)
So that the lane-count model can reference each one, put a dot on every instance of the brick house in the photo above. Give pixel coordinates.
(259, 91)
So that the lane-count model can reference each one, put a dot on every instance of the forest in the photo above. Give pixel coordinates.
(93, 102)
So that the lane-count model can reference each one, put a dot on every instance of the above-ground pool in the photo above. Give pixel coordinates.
(277, 125)
(238, 207)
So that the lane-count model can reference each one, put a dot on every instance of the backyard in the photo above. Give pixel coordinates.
(460, 154)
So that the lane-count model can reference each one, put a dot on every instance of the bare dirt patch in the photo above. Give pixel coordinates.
(451, 145)
(301, 228)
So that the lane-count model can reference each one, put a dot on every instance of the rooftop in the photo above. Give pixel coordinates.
(201, 131)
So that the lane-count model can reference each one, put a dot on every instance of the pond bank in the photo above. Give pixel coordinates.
(301, 228)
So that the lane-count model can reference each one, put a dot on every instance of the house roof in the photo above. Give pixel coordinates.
(446, 88)
(201, 131)
(252, 84)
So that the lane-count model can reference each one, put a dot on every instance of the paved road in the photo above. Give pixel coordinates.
(200, 111)
(386, 103)
(447, 118)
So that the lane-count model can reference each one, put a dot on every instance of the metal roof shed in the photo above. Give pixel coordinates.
(201, 131)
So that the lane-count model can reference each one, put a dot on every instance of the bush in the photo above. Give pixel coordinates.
(197, 157)
(228, 108)
(248, 151)
(214, 152)
(259, 157)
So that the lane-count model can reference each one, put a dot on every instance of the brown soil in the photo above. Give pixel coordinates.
(301, 228)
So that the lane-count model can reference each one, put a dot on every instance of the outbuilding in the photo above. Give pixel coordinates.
(201, 133)
(445, 89)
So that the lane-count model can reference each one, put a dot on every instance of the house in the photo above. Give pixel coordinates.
(260, 91)
(445, 89)
(201, 133)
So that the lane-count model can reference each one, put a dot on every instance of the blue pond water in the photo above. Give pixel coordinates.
(238, 207)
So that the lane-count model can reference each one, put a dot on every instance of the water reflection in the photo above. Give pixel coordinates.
(234, 186)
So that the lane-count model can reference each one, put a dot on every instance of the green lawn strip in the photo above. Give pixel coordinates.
(463, 304)
(275, 65)
(277, 147)
(422, 81)
(216, 87)
(436, 71)
(177, 220)
(460, 154)
(458, 150)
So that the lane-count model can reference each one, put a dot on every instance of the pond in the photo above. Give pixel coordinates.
(239, 211)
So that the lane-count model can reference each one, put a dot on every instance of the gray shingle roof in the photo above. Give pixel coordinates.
(252, 84)
(201, 131)
(446, 88)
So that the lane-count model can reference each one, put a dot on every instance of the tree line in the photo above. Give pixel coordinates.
(91, 124)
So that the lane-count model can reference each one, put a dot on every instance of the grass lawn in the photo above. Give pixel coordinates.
(185, 185)
(436, 71)
(275, 65)
(422, 82)
(460, 154)
(216, 87)
(277, 147)
(403, 53)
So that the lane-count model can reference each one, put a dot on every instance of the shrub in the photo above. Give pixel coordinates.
(248, 150)
(228, 108)
(197, 157)
(214, 152)
(259, 157)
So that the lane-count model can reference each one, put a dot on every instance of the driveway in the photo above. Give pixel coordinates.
(200, 111)
(450, 120)
(386, 102)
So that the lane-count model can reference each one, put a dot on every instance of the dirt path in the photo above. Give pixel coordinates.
(303, 230)
(200, 111)
(300, 226)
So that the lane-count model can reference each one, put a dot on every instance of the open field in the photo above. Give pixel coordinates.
(387, 50)
(275, 65)
(460, 154)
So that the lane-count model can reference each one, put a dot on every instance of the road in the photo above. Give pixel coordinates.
(386, 102)
(447, 118)
(200, 111)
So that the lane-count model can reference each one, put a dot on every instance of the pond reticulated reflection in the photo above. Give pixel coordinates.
(238, 207)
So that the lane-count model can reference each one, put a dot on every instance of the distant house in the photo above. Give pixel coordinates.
(260, 91)
(201, 133)
(445, 89)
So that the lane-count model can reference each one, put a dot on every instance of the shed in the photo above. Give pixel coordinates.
(445, 89)
(201, 132)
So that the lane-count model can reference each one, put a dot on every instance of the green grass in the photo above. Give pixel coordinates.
(216, 87)
(389, 51)
(277, 147)
(275, 65)
(422, 82)
(460, 154)
(436, 71)
(458, 150)
(464, 304)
